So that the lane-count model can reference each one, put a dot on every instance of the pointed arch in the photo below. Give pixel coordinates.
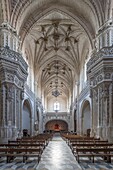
(27, 116)
(86, 118)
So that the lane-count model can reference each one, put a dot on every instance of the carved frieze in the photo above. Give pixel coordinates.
(9, 77)
(12, 78)
(13, 57)
(107, 51)
(107, 75)
(13, 68)
(99, 78)
(97, 57)
(19, 83)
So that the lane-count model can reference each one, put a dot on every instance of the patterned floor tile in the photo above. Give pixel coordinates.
(56, 156)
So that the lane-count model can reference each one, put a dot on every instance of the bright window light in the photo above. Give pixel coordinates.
(56, 106)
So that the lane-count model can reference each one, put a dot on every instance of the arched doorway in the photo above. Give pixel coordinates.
(26, 118)
(56, 125)
(86, 118)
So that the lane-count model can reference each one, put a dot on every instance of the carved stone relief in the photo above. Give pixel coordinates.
(101, 77)
(12, 90)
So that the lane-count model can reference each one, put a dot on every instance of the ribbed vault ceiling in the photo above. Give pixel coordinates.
(59, 46)
(57, 36)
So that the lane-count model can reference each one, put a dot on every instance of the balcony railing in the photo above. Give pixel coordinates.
(61, 116)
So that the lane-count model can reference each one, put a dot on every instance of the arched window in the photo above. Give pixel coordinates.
(56, 106)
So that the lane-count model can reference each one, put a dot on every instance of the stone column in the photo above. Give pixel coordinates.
(13, 71)
(100, 73)
(103, 111)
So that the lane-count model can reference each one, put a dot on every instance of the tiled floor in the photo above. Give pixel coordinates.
(56, 156)
(99, 165)
(17, 164)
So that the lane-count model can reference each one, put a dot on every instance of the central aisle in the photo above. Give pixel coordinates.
(58, 156)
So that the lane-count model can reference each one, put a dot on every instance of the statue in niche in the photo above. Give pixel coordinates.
(36, 126)
(106, 91)
(10, 93)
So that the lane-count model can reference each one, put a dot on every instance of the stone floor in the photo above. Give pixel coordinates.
(56, 156)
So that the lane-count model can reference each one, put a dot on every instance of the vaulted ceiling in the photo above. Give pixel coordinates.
(57, 36)
(57, 45)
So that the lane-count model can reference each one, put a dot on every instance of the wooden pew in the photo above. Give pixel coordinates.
(74, 142)
(44, 137)
(86, 139)
(94, 152)
(20, 152)
(78, 137)
(41, 143)
(23, 145)
(90, 145)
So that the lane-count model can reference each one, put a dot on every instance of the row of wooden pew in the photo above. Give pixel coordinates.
(25, 147)
(89, 147)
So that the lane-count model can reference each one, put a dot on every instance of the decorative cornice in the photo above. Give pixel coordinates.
(13, 68)
(14, 57)
(104, 53)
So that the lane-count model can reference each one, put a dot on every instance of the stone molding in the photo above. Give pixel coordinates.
(104, 53)
(14, 57)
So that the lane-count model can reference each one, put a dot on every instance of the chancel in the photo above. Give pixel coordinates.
(56, 84)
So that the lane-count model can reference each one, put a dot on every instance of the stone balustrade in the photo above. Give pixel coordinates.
(60, 116)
